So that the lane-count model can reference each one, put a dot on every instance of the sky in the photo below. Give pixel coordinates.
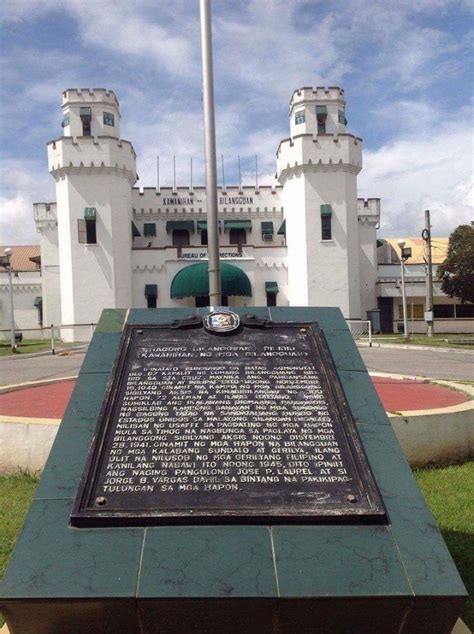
(406, 68)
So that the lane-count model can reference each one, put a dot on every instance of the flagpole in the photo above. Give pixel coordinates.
(210, 148)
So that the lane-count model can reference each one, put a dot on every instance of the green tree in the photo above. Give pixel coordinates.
(456, 273)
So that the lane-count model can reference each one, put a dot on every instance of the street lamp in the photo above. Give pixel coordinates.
(404, 255)
(8, 254)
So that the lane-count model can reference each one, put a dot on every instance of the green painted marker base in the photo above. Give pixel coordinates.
(397, 578)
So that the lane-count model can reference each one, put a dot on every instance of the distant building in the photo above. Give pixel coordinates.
(450, 315)
(307, 241)
(27, 285)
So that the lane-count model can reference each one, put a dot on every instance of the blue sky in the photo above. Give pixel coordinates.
(406, 68)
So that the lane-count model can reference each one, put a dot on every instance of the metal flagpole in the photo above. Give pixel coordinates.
(240, 176)
(210, 147)
(223, 175)
(174, 174)
(158, 174)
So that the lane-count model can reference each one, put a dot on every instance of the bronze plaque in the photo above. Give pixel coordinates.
(249, 426)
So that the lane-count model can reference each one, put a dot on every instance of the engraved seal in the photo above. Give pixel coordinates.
(221, 321)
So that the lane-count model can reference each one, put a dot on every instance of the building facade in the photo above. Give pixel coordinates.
(105, 243)
(450, 316)
(307, 240)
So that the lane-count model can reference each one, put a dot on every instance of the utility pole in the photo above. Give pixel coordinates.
(210, 148)
(426, 235)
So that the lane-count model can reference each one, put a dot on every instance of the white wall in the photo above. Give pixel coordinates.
(26, 287)
(315, 171)
(100, 174)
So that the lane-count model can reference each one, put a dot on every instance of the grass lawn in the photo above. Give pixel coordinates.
(27, 345)
(437, 341)
(448, 492)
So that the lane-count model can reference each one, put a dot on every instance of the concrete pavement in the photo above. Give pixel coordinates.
(435, 363)
(16, 369)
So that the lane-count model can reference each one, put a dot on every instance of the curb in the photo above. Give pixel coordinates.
(44, 353)
(403, 346)
(13, 387)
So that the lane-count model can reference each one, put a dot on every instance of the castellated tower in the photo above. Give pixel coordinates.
(94, 172)
(317, 167)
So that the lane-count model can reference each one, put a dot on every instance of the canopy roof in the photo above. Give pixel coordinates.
(193, 281)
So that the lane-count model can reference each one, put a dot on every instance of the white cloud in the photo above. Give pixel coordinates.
(129, 30)
(27, 183)
(429, 169)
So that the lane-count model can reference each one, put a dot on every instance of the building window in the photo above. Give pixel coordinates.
(464, 311)
(149, 229)
(109, 118)
(443, 311)
(271, 299)
(299, 117)
(87, 232)
(271, 290)
(180, 238)
(237, 236)
(414, 311)
(39, 307)
(86, 118)
(341, 117)
(151, 293)
(267, 231)
(204, 237)
(326, 228)
(65, 121)
(321, 116)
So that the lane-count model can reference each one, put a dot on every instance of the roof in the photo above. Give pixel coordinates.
(21, 255)
(439, 249)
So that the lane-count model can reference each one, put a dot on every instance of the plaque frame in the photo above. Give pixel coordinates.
(85, 514)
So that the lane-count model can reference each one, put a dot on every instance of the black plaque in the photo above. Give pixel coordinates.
(247, 427)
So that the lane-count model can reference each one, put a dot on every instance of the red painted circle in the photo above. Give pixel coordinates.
(50, 401)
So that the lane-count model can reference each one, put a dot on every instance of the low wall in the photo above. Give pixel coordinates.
(437, 436)
(25, 443)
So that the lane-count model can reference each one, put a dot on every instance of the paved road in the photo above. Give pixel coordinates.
(438, 364)
(433, 363)
(19, 370)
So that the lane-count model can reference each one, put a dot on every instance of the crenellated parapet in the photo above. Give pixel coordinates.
(368, 210)
(68, 154)
(90, 112)
(320, 93)
(45, 215)
(329, 152)
(90, 95)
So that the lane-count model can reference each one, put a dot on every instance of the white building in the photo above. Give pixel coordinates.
(106, 243)
(449, 314)
(26, 287)
(307, 241)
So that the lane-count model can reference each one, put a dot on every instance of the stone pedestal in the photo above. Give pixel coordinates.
(362, 579)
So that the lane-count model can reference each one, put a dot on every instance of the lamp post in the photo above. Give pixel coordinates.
(8, 254)
(403, 256)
